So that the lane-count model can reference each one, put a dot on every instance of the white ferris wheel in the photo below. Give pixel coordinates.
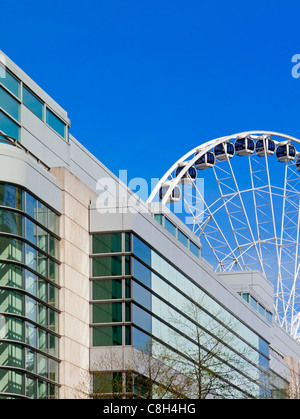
(248, 216)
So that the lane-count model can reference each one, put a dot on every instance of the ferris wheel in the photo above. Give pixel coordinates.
(248, 214)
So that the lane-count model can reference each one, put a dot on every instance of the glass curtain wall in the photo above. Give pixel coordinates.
(29, 288)
(140, 298)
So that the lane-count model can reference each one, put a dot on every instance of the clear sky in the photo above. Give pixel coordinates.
(145, 81)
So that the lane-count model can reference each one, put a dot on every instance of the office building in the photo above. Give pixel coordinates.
(86, 282)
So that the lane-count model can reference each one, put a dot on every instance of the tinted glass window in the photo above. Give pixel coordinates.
(32, 103)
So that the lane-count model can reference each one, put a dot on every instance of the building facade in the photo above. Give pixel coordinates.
(91, 278)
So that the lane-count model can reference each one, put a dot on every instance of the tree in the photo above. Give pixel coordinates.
(211, 357)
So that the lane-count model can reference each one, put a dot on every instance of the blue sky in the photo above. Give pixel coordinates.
(144, 81)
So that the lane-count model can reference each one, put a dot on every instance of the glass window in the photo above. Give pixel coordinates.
(31, 387)
(11, 355)
(11, 222)
(159, 218)
(107, 336)
(107, 289)
(142, 319)
(53, 295)
(107, 243)
(42, 239)
(141, 295)
(127, 312)
(9, 127)
(31, 257)
(269, 316)
(141, 273)
(42, 343)
(30, 360)
(42, 267)
(53, 247)
(11, 302)
(11, 382)
(53, 370)
(42, 365)
(31, 335)
(253, 302)
(183, 238)
(170, 227)
(141, 341)
(31, 206)
(246, 297)
(32, 103)
(9, 104)
(55, 123)
(194, 249)
(31, 231)
(128, 339)
(11, 275)
(127, 242)
(261, 310)
(11, 196)
(107, 313)
(42, 390)
(9, 81)
(53, 222)
(107, 266)
(42, 214)
(42, 315)
(53, 320)
(127, 288)
(13, 329)
(31, 305)
(141, 250)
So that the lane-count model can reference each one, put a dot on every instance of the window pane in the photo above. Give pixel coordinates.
(159, 218)
(31, 230)
(42, 214)
(107, 336)
(107, 243)
(11, 355)
(182, 238)
(9, 82)
(31, 335)
(142, 319)
(11, 382)
(141, 340)
(141, 295)
(32, 103)
(14, 329)
(107, 289)
(30, 360)
(11, 196)
(11, 275)
(11, 249)
(253, 302)
(31, 309)
(141, 250)
(9, 127)
(194, 249)
(170, 227)
(55, 123)
(9, 104)
(107, 313)
(11, 302)
(31, 206)
(11, 222)
(141, 273)
(53, 222)
(107, 266)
